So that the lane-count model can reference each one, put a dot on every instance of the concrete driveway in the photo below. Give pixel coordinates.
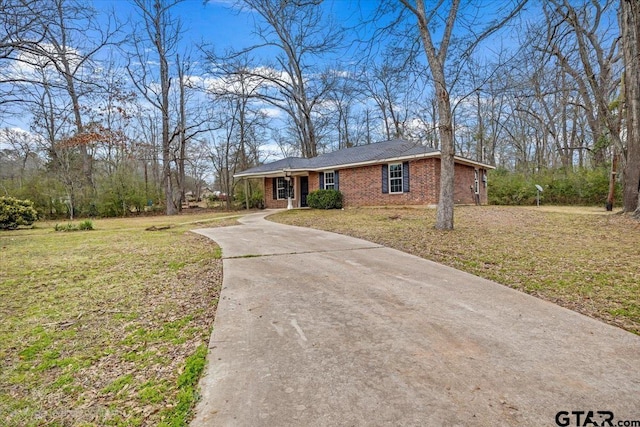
(318, 329)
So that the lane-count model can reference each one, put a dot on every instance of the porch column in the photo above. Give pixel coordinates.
(246, 193)
(288, 179)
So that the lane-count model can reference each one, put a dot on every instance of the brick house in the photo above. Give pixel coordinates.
(395, 172)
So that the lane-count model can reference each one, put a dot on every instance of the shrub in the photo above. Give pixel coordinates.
(15, 212)
(325, 199)
(573, 187)
(510, 188)
(87, 224)
(256, 196)
(256, 200)
(65, 227)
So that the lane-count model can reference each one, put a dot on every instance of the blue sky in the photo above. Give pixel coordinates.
(219, 24)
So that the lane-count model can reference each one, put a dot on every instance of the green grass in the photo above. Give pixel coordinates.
(187, 394)
(582, 258)
(98, 328)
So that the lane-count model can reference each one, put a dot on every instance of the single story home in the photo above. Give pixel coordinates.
(396, 172)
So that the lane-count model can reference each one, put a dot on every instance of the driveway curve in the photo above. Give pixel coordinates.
(319, 329)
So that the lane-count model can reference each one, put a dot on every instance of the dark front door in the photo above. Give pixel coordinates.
(304, 191)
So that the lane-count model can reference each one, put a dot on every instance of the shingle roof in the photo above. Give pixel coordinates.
(372, 152)
(379, 152)
(278, 165)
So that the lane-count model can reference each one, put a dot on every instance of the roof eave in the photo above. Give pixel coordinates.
(473, 162)
(377, 161)
(271, 174)
(281, 172)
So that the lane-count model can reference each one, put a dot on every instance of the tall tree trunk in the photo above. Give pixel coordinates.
(182, 134)
(630, 35)
(171, 208)
(480, 144)
(436, 59)
(444, 213)
(69, 74)
(612, 182)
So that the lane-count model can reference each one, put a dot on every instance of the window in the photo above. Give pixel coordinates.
(282, 187)
(395, 178)
(329, 181)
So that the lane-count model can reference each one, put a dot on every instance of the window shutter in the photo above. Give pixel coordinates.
(275, 188)
(336, 181)
(321, 182)
(385, 178)
(405, 177)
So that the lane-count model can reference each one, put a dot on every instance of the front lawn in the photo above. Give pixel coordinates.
(108, 326)
(581, 258)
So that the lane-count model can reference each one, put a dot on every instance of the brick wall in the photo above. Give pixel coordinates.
(363, 186)
(314, 181)
(269, 202)
(464, 192)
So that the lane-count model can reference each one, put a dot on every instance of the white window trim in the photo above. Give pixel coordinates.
(333, 183)
(278, 188)
(401, 178)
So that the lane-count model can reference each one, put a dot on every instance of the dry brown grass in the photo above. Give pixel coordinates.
(100, 327)
(581, 258)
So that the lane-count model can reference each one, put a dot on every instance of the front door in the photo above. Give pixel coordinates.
(304, 191)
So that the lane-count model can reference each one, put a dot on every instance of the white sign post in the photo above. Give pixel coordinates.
(540, 190)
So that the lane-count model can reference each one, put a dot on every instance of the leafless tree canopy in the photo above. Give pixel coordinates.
(120, 114)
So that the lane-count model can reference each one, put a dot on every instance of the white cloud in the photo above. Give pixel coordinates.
(272, 112)
(31, 65)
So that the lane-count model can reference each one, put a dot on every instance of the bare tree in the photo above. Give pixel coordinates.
(239, 124)
(343, 100)
(586, 50)
(436, 56)
(21, 155)
(20, 29)
(148, 148)
(388, 85)
(160, 31)
(629, 16)
(428, 20)
(292, 82)
(53, 122)
(193, 118)
(65, 48)
(198, 164)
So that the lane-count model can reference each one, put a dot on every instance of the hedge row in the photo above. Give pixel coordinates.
(560, 187)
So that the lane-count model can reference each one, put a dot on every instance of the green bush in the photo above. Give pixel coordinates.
(588, 187)
(256, 200)
(507, 188)
(256, 196)
(87, 224)
(325, 199)
(15, 212)
(65, 227)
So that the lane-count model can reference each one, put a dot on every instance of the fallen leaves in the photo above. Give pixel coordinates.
(96, 330)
